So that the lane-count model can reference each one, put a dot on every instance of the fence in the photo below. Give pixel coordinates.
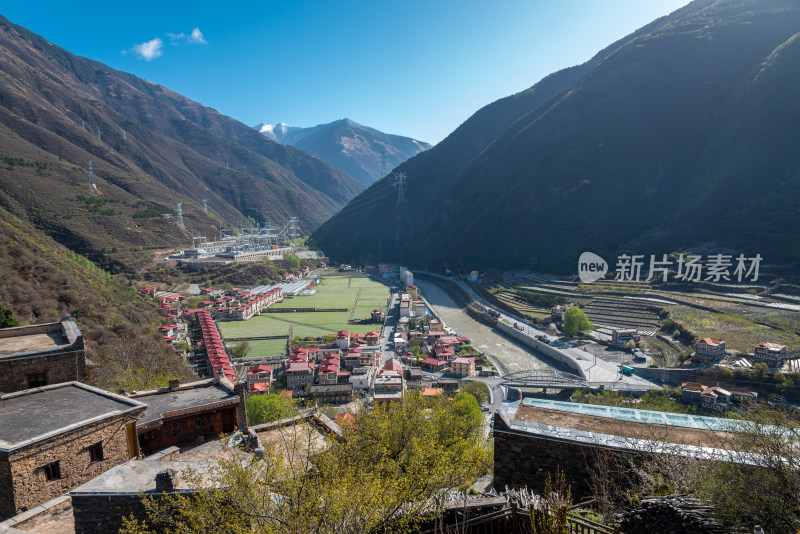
(515, 520)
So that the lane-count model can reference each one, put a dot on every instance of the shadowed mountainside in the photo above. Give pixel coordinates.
(679, 136)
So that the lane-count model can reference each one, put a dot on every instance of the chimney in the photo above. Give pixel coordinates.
(165, 481)
(174, 383)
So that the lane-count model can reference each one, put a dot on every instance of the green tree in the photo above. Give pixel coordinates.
(386, 473)
(479, 390)
(7, 317)
(293, 260)
(268, 408)
(241, 349)
(760, 370)
(760, 484)
(136, 363)
(576, 324)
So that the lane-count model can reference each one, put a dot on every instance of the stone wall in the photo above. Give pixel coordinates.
(40, 518)
(21, 471)
(62, 367)
(100, 514)
(524, 460)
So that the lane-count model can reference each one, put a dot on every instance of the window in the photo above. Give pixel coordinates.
(96, 452)
(52, 471)
(36, 380)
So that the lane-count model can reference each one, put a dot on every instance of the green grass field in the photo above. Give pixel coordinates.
(265, 348)
(333, 292)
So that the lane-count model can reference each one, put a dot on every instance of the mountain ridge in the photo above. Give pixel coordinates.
(348, 145)
(148, 144)
(659, 116)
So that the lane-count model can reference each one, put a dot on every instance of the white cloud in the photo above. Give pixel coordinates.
(196, 37)
(149, 50)
(176, 36)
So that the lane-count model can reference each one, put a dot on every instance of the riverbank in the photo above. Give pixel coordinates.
(506, 354)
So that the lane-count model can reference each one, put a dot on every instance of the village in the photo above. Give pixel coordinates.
(58, 466)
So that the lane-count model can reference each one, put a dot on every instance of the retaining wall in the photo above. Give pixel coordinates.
(543, 348)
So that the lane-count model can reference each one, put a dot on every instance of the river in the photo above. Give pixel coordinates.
(511, 355)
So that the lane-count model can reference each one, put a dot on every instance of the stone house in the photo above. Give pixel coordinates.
(192, 412)
(99, 505)
(55, 438)
(43, 354)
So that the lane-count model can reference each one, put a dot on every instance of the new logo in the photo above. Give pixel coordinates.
(591, 267)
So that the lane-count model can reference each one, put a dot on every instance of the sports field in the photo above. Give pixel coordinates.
(332, 292)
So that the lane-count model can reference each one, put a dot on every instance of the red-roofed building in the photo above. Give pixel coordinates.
(433, 364)
(445, 353)
(351, 358)
(343, 339)
(463, 366)
(299, 373)
(709, 349)
(329, 369)
(771, 353)
(259, 379)
(147, 292)
(372, 338)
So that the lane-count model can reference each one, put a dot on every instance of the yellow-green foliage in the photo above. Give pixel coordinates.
(381, 476)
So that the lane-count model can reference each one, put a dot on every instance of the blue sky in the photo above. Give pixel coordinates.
(411, 68)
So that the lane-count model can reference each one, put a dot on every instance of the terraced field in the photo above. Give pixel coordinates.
(623, 313)
(740, 333)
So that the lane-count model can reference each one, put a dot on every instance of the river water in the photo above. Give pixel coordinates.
(513, 356)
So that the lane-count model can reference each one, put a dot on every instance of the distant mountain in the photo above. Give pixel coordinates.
(348, 145)
(151, 148)
(682, 135)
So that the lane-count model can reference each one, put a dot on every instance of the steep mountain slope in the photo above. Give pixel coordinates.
(151, 149)
(678, 136)
(41, 281)
(348, 145)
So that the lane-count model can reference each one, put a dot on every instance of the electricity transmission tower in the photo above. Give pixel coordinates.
(384, 164)
(180, 217)
(293, 231)
(92, 184)
(400, 184)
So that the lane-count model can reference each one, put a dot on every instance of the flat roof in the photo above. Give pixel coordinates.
(38, 338)
(138, 476)
(634, 415)
(35, 414)
(194, 395)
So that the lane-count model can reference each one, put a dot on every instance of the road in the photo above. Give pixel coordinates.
(392, 316)
(595, 369)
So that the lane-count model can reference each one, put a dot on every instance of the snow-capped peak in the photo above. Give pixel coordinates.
(276, 132)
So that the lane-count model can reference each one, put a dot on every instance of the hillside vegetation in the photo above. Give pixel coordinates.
(680, 136)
